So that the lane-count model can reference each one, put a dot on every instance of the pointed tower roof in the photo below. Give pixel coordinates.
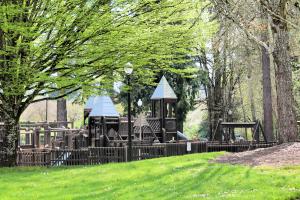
(141, 121)
(163, 90)
(102, 106)
(90, 102)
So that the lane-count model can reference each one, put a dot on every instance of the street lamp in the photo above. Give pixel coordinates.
(140, 103)
(128, 68)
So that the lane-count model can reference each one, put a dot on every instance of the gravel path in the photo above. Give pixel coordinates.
(281, 155)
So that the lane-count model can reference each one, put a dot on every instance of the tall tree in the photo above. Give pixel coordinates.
(60, 47)
(266, 80)
(280, 22)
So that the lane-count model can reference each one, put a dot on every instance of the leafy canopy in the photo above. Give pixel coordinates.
(50, 49)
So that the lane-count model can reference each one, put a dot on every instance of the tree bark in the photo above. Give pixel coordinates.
(62, 112)
(243, 105)
(180, 117)
(267, 91)
(250, 92)
(10, 141)
(218, 104)
(287, 123)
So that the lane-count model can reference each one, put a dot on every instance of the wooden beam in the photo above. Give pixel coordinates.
(238, 124)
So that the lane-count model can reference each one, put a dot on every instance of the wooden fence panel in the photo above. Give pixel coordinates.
(198, 147)
(147, 152)
(69, 157)
(33, 158)
(176, 149)
(101, 155)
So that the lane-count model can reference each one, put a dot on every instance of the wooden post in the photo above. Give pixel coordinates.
(70, 139)
(27, 138)
(125, 148)
(37, 138)
(47, 136)
(163, 135)
(33, 138)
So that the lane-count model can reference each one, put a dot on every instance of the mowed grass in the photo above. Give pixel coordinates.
(181, 177)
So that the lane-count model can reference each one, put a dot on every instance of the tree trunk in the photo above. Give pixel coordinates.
(267, 92)
(250, 93)
(243, 105)
(209, 98)
(287, 123)
(181, 110)
(218, 104)
(10, 142)
(62, 112)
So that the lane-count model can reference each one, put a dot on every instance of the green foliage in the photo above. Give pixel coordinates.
(204, 129)
(197, 131)
(57, 47)
(192, 131)
(181, 177)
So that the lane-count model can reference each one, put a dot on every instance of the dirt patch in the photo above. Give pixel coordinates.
(280, 155)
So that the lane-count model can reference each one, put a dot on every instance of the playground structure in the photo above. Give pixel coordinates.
(107, 128)
(104, 137)
(104, 127)
(225, 131)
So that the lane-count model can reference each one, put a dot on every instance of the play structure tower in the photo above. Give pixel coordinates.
(164, 108)
(102, 118)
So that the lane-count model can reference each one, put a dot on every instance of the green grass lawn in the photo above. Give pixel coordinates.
(181, 177)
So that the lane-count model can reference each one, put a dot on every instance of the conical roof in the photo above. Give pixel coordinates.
(141, 121)
(163, 90)
(102, 106)
(90, 102)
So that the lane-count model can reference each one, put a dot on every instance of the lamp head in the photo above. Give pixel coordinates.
(128, 68)
(139, 103)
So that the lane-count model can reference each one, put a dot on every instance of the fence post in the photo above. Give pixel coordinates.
(125, 148)
(18, 158)
(166, 150)
(47, 137)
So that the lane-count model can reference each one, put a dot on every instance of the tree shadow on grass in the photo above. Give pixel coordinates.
(150, 186)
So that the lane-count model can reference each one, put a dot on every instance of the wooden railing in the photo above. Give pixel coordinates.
(102, 155)
(147, 152)
(155, 124)
(69, 157)
(33, 158)
(237, 147)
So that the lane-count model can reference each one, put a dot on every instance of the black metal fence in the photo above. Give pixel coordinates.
(102, 155)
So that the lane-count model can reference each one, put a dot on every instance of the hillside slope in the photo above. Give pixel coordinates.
(182, 177)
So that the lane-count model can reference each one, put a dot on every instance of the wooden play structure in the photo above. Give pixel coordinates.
(225, 131)
(104, 127)
(50, 135)
(104, 136)
(107, 128)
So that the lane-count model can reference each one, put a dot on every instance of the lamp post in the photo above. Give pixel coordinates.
(140, 103)
(128, 68)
